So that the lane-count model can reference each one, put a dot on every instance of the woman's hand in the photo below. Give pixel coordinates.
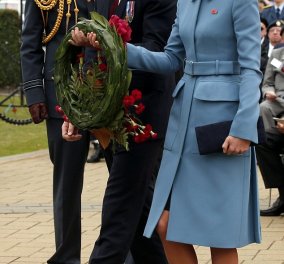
(235, 146)
(70, 132)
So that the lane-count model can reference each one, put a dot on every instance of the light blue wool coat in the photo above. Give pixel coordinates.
(214, 200)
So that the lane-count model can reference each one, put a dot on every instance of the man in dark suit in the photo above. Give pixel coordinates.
(129, 189)
(68, 158)
(273, 12)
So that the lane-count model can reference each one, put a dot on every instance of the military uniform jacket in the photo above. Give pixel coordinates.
(269, 14)
(274, 76)
(38, 60)
(214, 198)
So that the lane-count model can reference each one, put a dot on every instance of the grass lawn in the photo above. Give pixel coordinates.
(15, 139)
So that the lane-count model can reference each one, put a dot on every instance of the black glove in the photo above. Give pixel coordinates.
(38, 112)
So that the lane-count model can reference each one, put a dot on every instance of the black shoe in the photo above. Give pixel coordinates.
(94, 158)
(275, 210)
(97, 155)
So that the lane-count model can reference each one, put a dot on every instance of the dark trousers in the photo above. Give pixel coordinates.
(270, 162)
(68, 159)
(126, 207)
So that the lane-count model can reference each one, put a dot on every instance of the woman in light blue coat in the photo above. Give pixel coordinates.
(213, 199)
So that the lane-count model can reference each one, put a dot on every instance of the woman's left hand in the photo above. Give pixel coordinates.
(235, 146)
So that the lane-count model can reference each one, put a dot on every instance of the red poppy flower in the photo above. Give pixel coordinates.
(139, 109)
(103, 67)
(136, 94)
(128, 101)
(122, 27)
(58, 109)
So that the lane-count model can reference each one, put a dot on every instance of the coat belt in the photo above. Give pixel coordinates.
(211, 67)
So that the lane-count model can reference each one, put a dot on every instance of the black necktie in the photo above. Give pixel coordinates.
(113, 6)
(277, 12)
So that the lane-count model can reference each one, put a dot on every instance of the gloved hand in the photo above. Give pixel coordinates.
(38, 112)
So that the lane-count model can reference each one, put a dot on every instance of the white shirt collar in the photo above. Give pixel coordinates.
(270, 49)
(280, 7)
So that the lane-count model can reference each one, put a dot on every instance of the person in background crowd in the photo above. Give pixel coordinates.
(281, 44)
(268, 155)
(261, 5)
(41, 31)
(274, 37)
(264, 50)
(273, 12)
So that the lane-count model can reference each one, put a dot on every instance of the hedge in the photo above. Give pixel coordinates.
(10, 72)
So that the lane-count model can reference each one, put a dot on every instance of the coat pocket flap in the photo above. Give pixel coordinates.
(178, 87)
(217, 91)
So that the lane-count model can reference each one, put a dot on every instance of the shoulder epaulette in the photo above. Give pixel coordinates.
(268, 6)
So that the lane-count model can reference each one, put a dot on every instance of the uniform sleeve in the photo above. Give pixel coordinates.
(247, 31)
(170, 60)
(32, 54)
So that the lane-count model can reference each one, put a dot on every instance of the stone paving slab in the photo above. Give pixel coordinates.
(26, 223)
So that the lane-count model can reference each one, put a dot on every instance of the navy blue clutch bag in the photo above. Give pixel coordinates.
(210, 138)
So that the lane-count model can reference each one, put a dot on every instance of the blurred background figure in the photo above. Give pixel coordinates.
(273, 12)
(269, 155)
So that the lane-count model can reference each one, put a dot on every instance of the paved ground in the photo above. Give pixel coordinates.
(26, 224)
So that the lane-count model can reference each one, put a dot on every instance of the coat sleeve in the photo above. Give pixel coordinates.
(269, 76)
(170, 60)
(247, 31)
(32, 54)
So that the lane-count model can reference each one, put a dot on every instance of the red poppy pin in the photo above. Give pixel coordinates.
(214, 11)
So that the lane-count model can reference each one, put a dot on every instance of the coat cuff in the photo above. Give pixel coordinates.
(34, 91)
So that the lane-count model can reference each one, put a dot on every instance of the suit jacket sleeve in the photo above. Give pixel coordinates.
(247, 31)
(157, 21)
(32, 54)
(269, 77)
(160, 62)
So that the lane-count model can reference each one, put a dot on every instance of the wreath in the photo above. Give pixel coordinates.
(93, 94)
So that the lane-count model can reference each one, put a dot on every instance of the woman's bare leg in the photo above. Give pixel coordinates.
(224, 255)
(177, 253)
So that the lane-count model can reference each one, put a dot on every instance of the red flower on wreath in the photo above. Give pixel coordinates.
(136, 94)
(139, 108)
(128, 100)
(103, 67)
(122, 27)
